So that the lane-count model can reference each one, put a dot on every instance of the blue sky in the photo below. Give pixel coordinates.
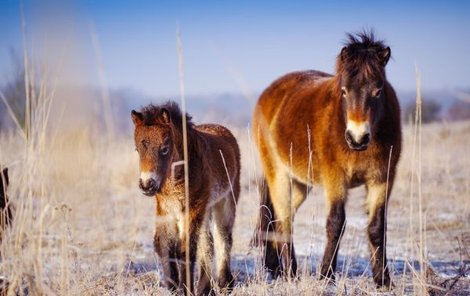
(241, 46)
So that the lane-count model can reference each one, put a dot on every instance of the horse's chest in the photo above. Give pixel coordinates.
(359, 170)
(170, 212)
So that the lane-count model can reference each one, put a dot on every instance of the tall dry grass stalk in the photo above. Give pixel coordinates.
(416, 193)
(179, 48)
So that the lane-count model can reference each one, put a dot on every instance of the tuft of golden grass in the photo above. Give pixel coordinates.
(82, 227)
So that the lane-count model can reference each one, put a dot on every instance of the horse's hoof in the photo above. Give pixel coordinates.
(385, 285)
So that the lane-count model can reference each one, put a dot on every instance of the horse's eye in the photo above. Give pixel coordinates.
(164, 150)
(343, 91)
(145, 143)
(377, 93)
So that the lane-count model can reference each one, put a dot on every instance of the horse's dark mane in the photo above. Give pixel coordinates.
(362, 55)
(153, 113)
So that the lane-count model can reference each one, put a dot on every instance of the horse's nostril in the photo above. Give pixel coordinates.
(365, 139)
(348, 137)
(151, 184)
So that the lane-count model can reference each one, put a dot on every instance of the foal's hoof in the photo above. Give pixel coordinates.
(226, 284)
(330, 279)
(385, 285)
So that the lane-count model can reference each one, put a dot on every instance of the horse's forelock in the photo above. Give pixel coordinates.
(361, 55)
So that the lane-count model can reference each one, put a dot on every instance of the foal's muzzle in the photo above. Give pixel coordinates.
(149, 187)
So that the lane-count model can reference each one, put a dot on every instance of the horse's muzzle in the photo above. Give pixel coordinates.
(359, 145)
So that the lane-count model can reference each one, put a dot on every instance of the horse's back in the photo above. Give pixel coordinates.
(282, 89)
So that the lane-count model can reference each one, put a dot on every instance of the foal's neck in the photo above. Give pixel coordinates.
(192, 141)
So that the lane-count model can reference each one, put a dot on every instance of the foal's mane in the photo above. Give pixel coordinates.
(152, 114)
(362, 55)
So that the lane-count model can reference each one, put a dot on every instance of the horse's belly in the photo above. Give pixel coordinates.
(307, 175)
(217, 194)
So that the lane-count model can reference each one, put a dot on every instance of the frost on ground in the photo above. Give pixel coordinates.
(83, 228)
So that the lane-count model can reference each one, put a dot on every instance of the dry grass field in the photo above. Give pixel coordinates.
(82, 227)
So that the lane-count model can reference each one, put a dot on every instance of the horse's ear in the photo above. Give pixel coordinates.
(5, 176)
(344, 53)
(385, 55)
(165, 115)
(137, 118)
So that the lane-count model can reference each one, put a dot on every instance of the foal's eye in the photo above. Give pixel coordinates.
(164, 150)
(377, 93)
(343, 91)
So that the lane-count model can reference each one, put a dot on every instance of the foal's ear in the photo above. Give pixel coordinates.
(165, 115)
(385, 55)
(5, 177)
(137, 118)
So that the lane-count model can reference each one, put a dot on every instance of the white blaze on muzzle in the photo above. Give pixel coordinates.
(147, 176)
(358, 129)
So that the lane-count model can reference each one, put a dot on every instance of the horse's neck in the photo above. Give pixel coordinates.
(338, 109)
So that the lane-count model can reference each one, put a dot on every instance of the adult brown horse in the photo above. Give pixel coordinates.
(341, 131)
(214, 187)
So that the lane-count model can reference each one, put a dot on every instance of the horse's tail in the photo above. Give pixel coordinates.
(265, 223)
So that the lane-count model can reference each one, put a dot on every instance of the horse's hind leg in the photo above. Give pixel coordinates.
(204, 257)
(335, 224)
(377, 229)
(286, 196)
(223, 219)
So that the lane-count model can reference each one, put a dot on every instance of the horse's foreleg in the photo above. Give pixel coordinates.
(376, 230)
(335, 224)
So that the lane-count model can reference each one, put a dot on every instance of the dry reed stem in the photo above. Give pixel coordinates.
(179, 48)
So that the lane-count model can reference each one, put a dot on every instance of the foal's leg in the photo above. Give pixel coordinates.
(335, 225)
(168, 253)
(183, 265)
(377, 230)
(286, 196)
(224, 218)
(204, 257)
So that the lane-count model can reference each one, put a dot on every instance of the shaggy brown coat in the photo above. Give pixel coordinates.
(339, 131)
(214, 186)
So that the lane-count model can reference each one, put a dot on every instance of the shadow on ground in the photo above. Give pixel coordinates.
(246, 267)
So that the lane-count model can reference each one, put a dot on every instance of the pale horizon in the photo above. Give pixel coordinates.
(235, 48)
